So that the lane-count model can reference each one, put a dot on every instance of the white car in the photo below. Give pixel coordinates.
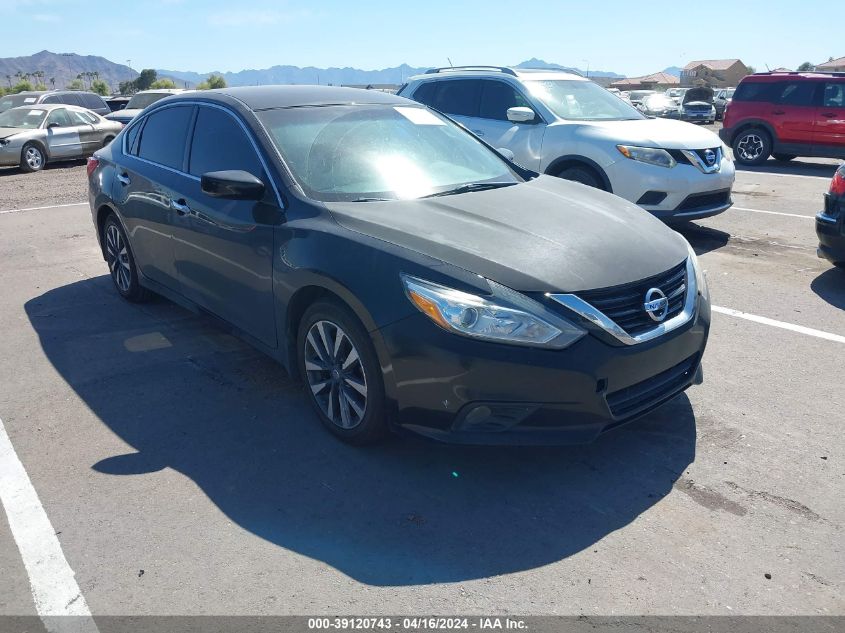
(139, 101)
(564, 125)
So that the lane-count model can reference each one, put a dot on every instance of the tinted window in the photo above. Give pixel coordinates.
(59, 117)
(795, 93)
(132, 138)
(756, 91)
(93, 102)
(834, 95)
(164, 136)
(459, 97)
(71, 98)
(496, 98)
(219, 144)
(425, 93)
(52, 99)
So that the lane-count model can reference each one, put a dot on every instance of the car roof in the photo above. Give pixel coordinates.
(777, 76)
(270, 97)
(52, 106)
(160, 91)
(499, 71)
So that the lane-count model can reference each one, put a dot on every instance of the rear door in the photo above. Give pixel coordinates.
(525, 140)
(793, 111)
(458, 98)
(224, 248)
(830, 118)
(62, 135)
(88, 136)
(152, 174)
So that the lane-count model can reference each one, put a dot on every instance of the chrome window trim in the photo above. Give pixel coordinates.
(598, 318)
(140, 119)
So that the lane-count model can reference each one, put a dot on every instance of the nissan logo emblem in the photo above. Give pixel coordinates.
(710, 157)
(656, 304)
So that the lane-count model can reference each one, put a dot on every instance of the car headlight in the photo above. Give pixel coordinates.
(700, 280)
(505, 317)
(649, 155)
(4, 141)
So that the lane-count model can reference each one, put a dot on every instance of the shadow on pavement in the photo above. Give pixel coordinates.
(830, 286)
(187, 397)
(796, 167)
(703, 239)
(65, 164)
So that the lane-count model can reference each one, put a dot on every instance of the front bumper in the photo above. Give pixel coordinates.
(830, 227)
(459, 390)
(682, 185)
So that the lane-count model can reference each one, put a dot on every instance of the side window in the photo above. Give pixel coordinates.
(425, 93)
(78, 118)
(92, 101)
(219, 144)
(51, 99)
(58, 117)
(834, 95)
(164, 136)
(799, 93)
(757, 91)
(496, 98)
(71, 98)
(132, 136)
(457, 96)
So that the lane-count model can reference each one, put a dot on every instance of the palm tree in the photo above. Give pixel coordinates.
(9, 79)
(53, 82)
(79, 77)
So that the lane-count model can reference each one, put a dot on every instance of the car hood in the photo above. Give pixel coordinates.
(120, 115)
(545, 235)
(703, 94)
(664, 133)
(6, 132)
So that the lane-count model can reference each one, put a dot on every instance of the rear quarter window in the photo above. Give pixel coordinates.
(761, 91)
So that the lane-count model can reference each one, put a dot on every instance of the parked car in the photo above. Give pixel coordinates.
(697, 105)
(116, 103)
(32, 136)
(636, 96)
(676, 94)
(721, 99)
(79, 98)
(786, 114)
(659, 105)
(830, 223)
(563, 125)
(412, 276)
(138, 102)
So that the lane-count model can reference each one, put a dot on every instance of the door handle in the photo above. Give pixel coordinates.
(180, 206)
(478, 132)
(123, 179)
(778, 112)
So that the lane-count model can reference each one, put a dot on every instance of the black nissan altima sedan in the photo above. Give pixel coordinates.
(412, 276)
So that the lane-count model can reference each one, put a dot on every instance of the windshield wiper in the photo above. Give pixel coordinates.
(370, 199)
(470, 186)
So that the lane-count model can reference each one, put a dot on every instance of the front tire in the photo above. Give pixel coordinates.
(341, 372)
(33, 158)
(752, 146)
(584, 175)
(121, 261)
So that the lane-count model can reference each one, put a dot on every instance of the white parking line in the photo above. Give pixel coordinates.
(779, 175)
(52, 206)
(51, 579)
(791, 215)
(781, 324)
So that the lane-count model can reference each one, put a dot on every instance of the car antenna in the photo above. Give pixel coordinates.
(450, 63)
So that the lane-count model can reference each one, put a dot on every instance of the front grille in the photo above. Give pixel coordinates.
(682, 159)
(701, 201)
(624, 304)
(652, 391)
(697, 108)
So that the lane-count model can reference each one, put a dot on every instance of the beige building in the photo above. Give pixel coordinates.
(833, 66)
(716, 73)
(654, 81)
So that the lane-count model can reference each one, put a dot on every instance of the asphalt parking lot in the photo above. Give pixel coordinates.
(183, 473)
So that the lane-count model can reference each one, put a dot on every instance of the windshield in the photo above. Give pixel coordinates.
(355, 153)
(581, 100)
(25, 118)
(659, 101)
(142, 100)
(13, 101)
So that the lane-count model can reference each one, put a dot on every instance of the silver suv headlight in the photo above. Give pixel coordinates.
(649, 155)
(505, 317)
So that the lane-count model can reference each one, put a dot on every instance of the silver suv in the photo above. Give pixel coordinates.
(559, 123)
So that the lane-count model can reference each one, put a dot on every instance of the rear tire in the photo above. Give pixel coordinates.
(107, 140)
(784, 158)
(33, 158)
(584, 175)
(752, 146)
(339, 366)
(121, 261)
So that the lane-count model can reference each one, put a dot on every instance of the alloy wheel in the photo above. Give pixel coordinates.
(750, 147)
(117, 257)
(34, 158)
(335, 374)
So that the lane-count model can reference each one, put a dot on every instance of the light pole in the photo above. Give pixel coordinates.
(588, 67)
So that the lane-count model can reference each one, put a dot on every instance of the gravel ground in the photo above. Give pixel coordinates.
(62, 183)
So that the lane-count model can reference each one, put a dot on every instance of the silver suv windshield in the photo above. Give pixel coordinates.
(581, 100)
(372, 152)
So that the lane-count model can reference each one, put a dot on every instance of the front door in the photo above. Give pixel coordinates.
(224, 248)
(62, 135)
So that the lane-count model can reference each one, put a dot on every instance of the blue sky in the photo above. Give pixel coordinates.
(629, 37)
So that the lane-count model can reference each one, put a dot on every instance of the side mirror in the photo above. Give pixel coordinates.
(232, 184)
(50, 126)
(520, 114)
(504, 151)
